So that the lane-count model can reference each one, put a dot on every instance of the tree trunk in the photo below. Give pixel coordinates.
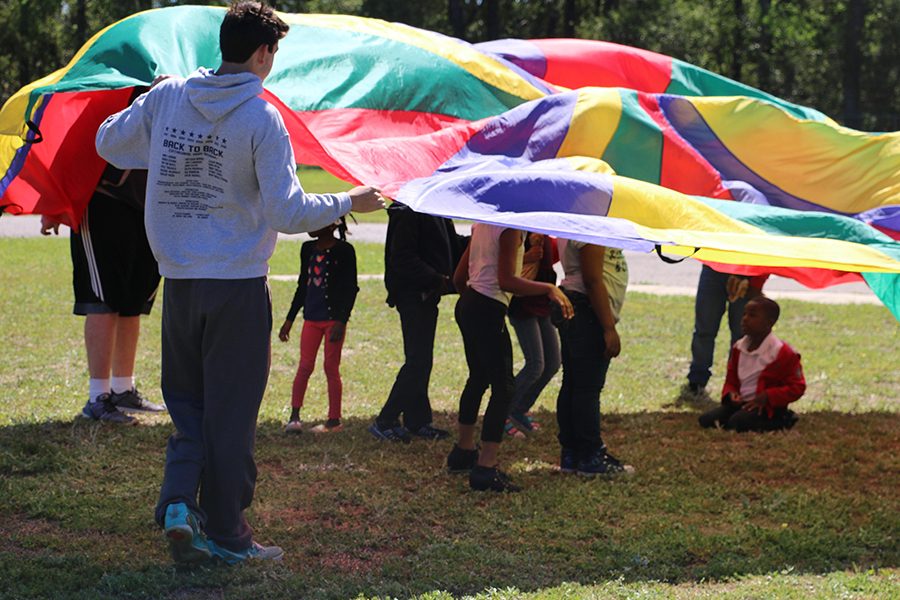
(763, 67)
(80, 23)
(569, 18)
(853, 34)
(492, 19)
(737, 52)
(457, 18)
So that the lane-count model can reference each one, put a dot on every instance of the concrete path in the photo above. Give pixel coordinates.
(647, 272)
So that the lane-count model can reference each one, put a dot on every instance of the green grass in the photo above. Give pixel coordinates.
(813, 512)
(317, 181)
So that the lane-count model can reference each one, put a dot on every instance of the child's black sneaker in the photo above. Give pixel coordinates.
(491, 479)
(461, 461)
(568, 460)
(601, 462)
(390, 433)
(430, 432)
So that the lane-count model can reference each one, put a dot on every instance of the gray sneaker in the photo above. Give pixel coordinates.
(134, 401)
(102, 409)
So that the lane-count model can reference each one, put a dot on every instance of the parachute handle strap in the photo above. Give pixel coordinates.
(673, 261)
(33, 128)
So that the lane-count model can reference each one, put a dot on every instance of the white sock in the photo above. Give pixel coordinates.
(97, 387)
(122, 384)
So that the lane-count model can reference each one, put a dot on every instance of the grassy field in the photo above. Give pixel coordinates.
(315, 180)
(813, 512)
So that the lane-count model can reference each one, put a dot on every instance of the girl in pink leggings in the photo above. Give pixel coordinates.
(326, 290)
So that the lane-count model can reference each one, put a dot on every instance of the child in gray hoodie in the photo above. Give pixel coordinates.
(221, 183)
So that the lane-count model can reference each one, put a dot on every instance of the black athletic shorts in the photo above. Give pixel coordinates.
(113, 268)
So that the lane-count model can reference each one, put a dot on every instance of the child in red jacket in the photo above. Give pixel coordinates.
(764, 376)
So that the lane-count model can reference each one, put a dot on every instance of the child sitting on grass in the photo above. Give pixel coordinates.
(764, 376)
(326, 290)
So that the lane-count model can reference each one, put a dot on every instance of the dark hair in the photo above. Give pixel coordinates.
(768, 306)
(342, 227)
(246, 27)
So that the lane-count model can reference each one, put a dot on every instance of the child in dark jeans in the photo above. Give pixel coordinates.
(595, 281)
(326, 290)
(764, 376)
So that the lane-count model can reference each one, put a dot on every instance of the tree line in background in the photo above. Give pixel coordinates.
(839, 56)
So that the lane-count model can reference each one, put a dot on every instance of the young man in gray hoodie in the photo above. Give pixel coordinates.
(221, 183)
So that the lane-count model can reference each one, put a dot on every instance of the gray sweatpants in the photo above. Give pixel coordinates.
(215, 363)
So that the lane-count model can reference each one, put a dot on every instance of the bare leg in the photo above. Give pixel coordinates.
(128, 329)
(100, 341)
(488, 455)
(466, 437)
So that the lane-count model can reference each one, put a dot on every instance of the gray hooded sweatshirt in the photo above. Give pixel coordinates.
(222, 177)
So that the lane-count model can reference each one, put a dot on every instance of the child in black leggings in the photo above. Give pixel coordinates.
(488, 275)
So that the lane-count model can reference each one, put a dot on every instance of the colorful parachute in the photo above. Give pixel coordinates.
(583, 139)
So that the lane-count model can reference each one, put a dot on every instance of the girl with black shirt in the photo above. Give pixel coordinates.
(326, 290)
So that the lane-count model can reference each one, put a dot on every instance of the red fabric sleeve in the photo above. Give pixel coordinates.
(732, 383)
(785, 383)
(554, 249)
(758, 281)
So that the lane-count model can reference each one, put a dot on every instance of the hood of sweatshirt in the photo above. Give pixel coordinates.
(215, 96)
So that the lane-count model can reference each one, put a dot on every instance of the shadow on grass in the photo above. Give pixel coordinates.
(355, 515)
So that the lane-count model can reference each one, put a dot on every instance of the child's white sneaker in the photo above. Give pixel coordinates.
(294, 426)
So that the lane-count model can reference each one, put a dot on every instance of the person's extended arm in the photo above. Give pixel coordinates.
(123, 139)
(286, 207)
(592, 257)
(508, 281)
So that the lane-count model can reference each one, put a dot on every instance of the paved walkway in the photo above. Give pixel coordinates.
(647, 273)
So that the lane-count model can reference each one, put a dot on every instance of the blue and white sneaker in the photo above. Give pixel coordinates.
(102, 409)
(254, 552)
(186, 542)
(395, 433)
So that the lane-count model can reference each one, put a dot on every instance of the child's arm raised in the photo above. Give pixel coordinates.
(510, 240)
